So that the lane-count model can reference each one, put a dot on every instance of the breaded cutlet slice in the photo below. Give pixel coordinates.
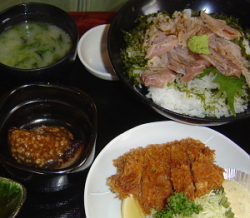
(196, 148)
(181, 175)
(206, 155)
(129, 170)
(156, 186)
(178, 151)
(182, 180)
(207, 176)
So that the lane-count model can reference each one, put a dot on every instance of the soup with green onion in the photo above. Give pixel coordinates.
(31, 45)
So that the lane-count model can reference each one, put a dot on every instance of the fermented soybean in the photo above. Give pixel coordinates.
(33, 45)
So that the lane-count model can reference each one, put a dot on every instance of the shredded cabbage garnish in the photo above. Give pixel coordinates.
(214, 205)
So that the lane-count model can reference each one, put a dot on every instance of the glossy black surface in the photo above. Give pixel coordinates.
(118, 110)
(125, 20)
(39, 12)
(34, 105)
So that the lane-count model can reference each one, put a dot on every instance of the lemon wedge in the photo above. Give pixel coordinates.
(131, 208)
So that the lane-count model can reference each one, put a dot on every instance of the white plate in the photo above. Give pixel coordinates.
(100, 202)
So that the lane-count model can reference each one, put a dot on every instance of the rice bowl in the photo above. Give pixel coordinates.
(185, 68)
(132, 11)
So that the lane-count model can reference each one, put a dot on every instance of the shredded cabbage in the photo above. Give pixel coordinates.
(214, 205)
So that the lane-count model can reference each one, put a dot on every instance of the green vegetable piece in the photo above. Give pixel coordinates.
(199, 44)
(231, 85)
(178, 203)
(224, 202)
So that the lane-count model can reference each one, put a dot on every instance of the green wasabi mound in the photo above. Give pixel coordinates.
(199, 44)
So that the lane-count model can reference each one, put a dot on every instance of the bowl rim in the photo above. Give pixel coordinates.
(92, 138)
(199, 121)
(74, 42)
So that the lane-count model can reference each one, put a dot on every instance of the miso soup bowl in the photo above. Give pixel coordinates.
(33, 105)
(44, 13)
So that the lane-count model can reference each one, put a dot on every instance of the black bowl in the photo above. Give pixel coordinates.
(33, 105)
(40, 12)
(125, 21)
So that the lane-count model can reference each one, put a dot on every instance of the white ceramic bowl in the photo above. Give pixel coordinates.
(93, 52)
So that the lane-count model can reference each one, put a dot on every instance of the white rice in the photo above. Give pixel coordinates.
(195, 98)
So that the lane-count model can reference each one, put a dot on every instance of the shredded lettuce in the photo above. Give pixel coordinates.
(215, 204)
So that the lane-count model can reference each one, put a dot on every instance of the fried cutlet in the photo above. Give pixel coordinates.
(153, 173)
(155, 184)
(181, 176)
(129, 170)
(207, 176)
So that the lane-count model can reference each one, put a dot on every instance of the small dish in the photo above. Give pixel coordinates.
(93, 53)
(12, 197)
(33, 105)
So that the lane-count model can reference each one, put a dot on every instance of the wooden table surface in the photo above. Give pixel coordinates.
(87, 20)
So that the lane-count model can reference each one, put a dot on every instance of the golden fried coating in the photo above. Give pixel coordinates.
(155, 182)
(153, 173)
(129, 169)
